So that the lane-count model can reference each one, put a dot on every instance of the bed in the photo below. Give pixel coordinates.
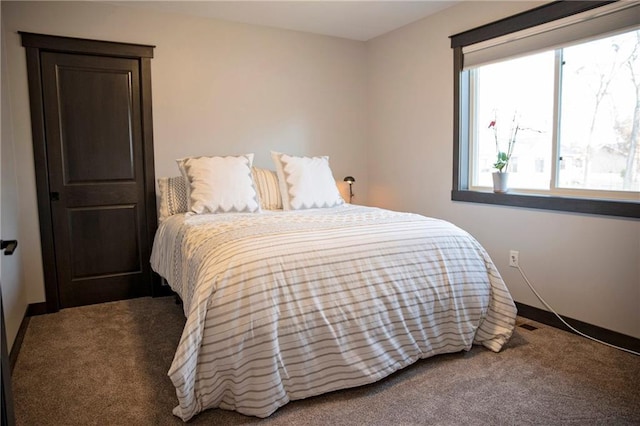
(286, 304)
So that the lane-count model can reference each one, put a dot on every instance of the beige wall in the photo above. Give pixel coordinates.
(14, 298)
(587, 267)
(218, 88)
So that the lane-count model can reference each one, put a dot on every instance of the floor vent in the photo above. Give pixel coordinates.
(528, 327)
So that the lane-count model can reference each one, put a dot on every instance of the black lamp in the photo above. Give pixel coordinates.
(350, 180)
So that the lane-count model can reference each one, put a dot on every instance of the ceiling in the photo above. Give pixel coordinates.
(356, 20)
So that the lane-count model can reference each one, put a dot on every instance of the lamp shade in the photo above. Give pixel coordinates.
(350, 179)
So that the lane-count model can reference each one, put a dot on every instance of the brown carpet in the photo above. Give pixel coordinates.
(106, 365)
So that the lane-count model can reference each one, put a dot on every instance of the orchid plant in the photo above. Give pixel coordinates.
(502, 162)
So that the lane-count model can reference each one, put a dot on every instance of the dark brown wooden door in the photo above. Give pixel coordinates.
(94, 153)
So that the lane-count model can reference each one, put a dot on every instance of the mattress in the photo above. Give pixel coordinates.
(284, 305)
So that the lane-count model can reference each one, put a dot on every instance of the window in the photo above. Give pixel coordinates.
(561, 96)
(512, 100)
(599, 102)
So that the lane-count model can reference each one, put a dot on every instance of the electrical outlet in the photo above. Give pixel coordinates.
(514, 258)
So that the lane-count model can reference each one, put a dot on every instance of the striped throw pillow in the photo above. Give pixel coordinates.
(267, 183)
(173, 196)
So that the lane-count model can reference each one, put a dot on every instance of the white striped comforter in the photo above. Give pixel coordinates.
(285, 305)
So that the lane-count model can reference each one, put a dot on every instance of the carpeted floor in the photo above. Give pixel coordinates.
(106, 365)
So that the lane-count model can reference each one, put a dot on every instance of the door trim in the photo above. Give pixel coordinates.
(34, 44)
(8, 416)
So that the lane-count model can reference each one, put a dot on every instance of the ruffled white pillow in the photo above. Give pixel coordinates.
(306, 182)
(220, 184)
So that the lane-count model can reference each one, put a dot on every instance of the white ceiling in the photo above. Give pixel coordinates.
(356, 20)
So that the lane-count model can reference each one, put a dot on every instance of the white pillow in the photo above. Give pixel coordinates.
(173, 196)
(266, 182)
(220, 184)
(306, 182)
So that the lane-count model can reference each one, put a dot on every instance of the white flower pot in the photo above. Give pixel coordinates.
(500, 182)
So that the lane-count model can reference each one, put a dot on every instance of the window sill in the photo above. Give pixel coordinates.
(576, 205)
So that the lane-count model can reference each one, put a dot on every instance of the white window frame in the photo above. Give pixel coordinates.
(554, 188)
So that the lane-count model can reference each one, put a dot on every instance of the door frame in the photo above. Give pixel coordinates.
(34, 44)
(8, 415)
